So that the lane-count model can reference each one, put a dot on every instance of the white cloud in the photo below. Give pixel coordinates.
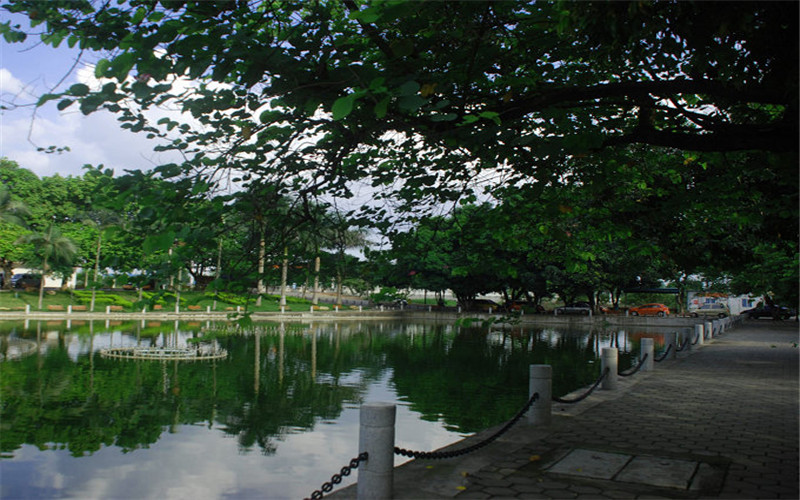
(95, 139)
(9, 86)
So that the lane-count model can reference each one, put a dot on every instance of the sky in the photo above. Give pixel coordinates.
(27, 71)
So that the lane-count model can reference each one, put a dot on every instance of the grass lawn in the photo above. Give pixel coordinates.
(432, 302)
(16, 300)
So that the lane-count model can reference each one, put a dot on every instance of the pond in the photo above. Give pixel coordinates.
(275, 418)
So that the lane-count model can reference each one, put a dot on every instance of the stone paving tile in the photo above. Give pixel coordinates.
(498, 492)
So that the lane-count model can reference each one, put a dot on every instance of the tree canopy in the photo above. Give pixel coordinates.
(660, 123)
(330, 92)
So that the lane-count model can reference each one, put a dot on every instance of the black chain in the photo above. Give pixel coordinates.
(696, 338)
(661, 358)
(584, 395)
(641, 362)
(337, 478)
(435, 455)
(683, 346)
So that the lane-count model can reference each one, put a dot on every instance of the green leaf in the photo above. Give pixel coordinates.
(139, 16)
(491, 115)
(90, 104)
(101, 68)
(382, 107)
(343, 106)
(445, 117)
(409, 88)
(411, 102)
(64, 104)
(158, 242)
(122, 65)
(367, 16)
(45, 98)
(79, 90)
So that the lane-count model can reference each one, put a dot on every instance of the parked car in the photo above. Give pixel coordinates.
(25, 281)
(574, 308)
(484, 305)
(649, 310)
(768, 311)
(716, 310)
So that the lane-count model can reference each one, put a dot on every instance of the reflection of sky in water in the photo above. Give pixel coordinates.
(198, 463)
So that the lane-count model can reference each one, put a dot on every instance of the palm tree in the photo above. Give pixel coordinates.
(12, 211)
(51, 246)
(101, 220)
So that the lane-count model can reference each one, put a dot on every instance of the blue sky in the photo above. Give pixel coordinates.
(28, 70)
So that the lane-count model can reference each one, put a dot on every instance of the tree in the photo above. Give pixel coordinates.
(12, 213)
(425, 104)
(51, 247)
(538, 78)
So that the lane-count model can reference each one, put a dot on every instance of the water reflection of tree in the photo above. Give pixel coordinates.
(285, 380)
(471, 380)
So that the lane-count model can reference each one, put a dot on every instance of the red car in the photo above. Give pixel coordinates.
(649, 310)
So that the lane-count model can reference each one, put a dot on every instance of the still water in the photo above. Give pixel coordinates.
(274, 419)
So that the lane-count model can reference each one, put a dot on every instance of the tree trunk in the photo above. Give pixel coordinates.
(315, 297)
(284, 272)
(41, 282)
(218, 273)
(96, 269)
(262, 255)
(338, 287)
(8, 267)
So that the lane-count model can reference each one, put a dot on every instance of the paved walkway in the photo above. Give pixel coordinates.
(718, 422)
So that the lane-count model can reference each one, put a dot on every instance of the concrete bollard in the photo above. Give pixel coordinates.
(459, 309)
(677, 342)
(208, 309)
(336, 309)
(429, 308)
(541, 381)
(311, 309)
(27, 310)
(108, 309)
(698, 332)
(609, 359)
(376, 437)
(708, 328)
(69, 310)
(283, 309)
(647, 349)
(359, 309)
